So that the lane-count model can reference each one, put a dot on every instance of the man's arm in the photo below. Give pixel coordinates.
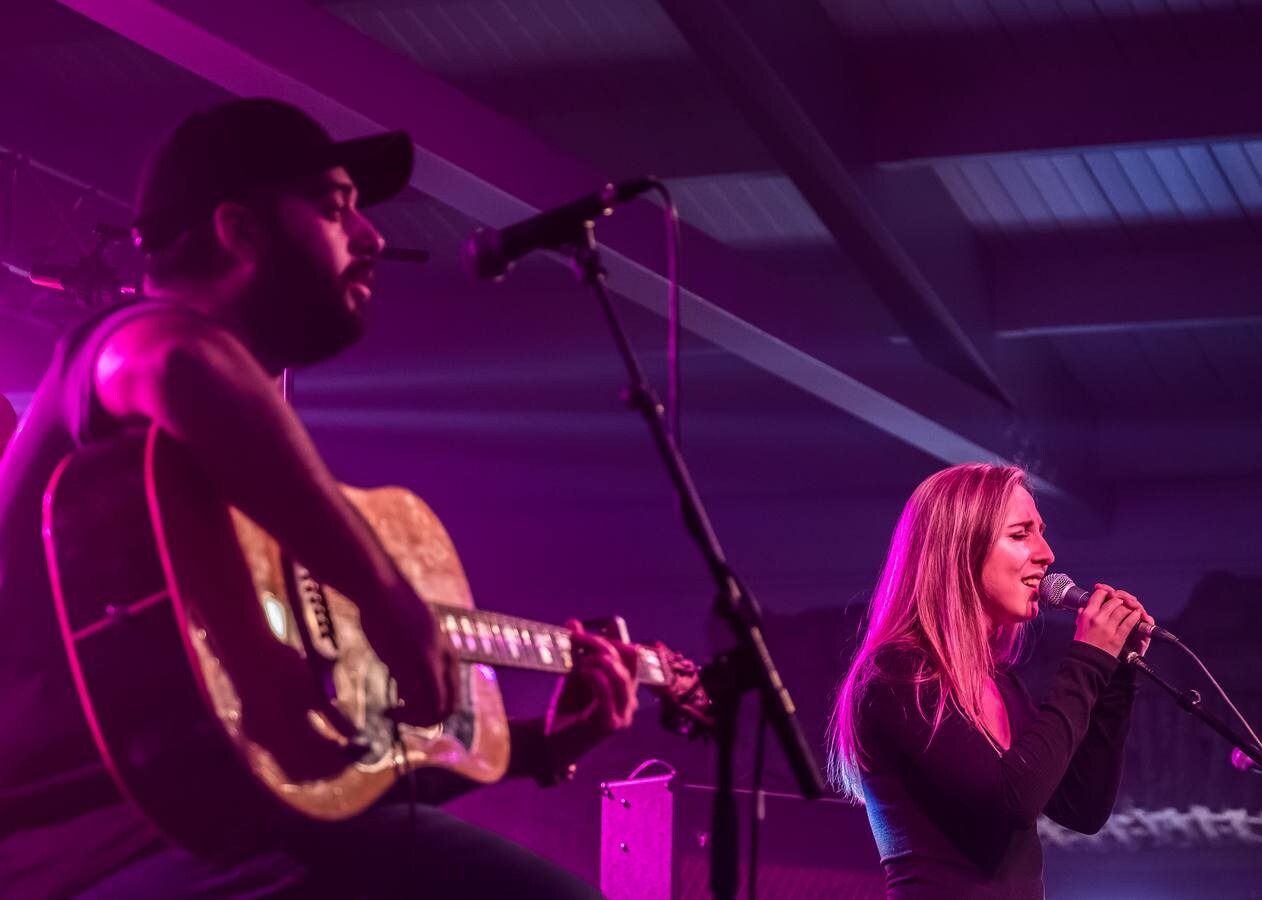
(203, 387)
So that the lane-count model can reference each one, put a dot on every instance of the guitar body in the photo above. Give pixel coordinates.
(160, 588)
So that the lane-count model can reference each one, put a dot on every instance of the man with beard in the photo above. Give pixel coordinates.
(257, 259)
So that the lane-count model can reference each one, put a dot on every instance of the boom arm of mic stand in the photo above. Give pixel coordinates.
(749, 665)
(1190, 701)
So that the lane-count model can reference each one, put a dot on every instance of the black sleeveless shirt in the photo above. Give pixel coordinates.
(50, 771)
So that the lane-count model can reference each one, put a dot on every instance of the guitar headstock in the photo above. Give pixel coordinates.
(686, 708)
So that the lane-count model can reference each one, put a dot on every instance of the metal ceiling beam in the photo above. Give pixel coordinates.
(947, 105)
(1046, 292)
(787, 70)
(494, 171)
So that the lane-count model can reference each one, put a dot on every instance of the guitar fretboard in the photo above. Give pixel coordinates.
(499, 640)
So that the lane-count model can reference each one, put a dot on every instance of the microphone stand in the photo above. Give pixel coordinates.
(91, 281)
(748, 665)
(1190, 701)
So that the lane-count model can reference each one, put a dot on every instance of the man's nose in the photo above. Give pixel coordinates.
(366, 240)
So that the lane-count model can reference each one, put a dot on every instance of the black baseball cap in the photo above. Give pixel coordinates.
(231, 149)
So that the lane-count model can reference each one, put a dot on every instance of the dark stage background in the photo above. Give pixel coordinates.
(914, 233)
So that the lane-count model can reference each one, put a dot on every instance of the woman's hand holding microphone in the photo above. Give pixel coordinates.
(1109, 620)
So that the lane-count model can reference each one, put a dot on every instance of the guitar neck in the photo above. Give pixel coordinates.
(498, 640)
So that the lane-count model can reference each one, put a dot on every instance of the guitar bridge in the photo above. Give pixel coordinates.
(314, 618)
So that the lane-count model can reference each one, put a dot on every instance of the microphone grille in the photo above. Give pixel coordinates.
(1054, 587)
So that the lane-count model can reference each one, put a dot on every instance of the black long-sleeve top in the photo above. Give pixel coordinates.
(952, 817)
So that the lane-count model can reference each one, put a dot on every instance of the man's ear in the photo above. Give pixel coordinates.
(239, 231)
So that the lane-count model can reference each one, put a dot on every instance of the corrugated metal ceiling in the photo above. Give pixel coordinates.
(1107, 188)
(753, 209)
(452, 38)
(633, 72)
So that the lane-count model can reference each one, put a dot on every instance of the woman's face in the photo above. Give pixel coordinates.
(1015, 564)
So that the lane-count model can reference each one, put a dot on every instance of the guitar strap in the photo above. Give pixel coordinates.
(8, 422)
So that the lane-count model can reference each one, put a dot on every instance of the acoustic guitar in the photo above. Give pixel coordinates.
(159, 585)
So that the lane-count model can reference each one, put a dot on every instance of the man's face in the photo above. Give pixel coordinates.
(313, 282)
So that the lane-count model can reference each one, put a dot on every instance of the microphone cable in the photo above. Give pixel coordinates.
(759, 799)
(1173, 639)
(1222, 693)
(673, 316)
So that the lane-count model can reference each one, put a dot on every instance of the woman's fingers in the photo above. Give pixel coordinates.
(1097, 598)
(1128, 598)
(1131, 602)
(1109, 618)
(1117, 611)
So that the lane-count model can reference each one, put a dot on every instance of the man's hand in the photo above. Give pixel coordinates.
(595, 699)
(404, 634)
(276, 712)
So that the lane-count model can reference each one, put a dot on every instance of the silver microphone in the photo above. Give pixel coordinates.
(489, 252)
(1059, 592)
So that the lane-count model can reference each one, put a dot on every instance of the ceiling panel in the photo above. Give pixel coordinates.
(476, 35)
(614, 83)
(1081, 183)
(1210, 181)
(1241, 165)
(982, 182)
(755, 210)
(1135, 187)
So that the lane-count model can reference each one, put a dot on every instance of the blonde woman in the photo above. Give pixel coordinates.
(933, 731)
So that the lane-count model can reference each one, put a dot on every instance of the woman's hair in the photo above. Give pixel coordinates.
(929, 601)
